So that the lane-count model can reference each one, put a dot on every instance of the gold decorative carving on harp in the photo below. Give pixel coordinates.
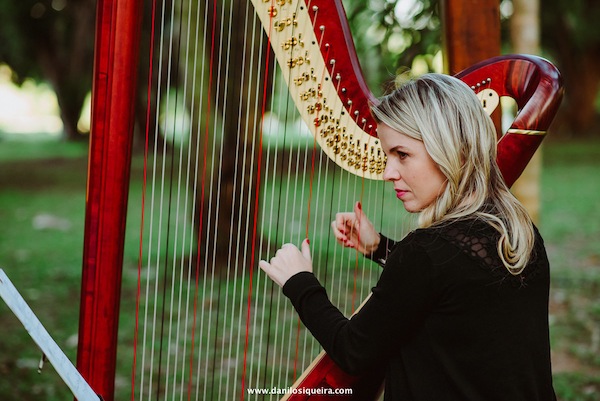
(222, 183)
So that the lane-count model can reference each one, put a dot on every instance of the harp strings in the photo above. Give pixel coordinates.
(204, 329)
(157, 195)
(197, 54)
(170, 178)
(153, 188)
(256, 198)
(142, 215)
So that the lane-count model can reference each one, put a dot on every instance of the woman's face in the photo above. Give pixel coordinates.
(417, 179)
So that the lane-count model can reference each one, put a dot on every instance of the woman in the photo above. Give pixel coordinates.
(460, 311)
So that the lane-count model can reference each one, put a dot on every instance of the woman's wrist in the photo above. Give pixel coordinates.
(369, 250)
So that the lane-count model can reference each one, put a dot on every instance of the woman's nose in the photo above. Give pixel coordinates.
(390, 173)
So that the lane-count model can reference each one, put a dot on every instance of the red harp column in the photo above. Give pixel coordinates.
(115, 68)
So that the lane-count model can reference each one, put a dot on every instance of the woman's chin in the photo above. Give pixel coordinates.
(411, 208)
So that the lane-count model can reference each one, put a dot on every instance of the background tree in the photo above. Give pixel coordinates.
(52, 41)
(397, 33)
(525, 38)
(571, 37)
(239, 113)
(224, 109)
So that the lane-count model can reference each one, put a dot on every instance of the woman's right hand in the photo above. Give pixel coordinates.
(355, 230)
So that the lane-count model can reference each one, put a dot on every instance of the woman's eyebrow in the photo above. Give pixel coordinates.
(399, 147)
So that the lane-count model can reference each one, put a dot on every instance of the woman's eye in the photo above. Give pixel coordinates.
(402, 155)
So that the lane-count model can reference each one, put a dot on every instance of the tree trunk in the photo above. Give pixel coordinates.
(70, 100)
(229, 128)
(580, 72)
(525, 38)
(471, 32)
(68, 65)
(464, 43)
(575, 47)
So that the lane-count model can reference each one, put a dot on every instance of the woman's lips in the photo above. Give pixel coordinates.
(400, 193)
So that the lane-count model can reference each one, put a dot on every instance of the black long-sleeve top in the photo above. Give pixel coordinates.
(446, 318)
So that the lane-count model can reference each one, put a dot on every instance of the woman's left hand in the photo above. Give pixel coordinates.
(288, 261)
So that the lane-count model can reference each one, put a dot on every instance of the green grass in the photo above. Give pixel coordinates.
(42, 198)
(570, 223)
(42, 206)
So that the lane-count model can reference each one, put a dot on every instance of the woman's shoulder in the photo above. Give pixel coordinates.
(467, 235)
(445, 241)
(478, 240)
(468, 232)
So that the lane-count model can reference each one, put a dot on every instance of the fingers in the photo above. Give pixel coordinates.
(341, 232)
(287, 262)
(338, 229)
(345, 223)
(358, 211)
(306, 249)
(346, 227)
(264, 266)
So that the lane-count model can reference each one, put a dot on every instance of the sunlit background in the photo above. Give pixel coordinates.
(31, 110)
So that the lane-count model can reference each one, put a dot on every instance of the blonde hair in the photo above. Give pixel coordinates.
(444, 113)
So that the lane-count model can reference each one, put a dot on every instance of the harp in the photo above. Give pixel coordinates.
(221, 183)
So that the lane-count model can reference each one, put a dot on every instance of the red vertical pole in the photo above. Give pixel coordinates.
(113, 98)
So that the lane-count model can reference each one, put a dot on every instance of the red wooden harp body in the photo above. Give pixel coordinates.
(230, 172)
